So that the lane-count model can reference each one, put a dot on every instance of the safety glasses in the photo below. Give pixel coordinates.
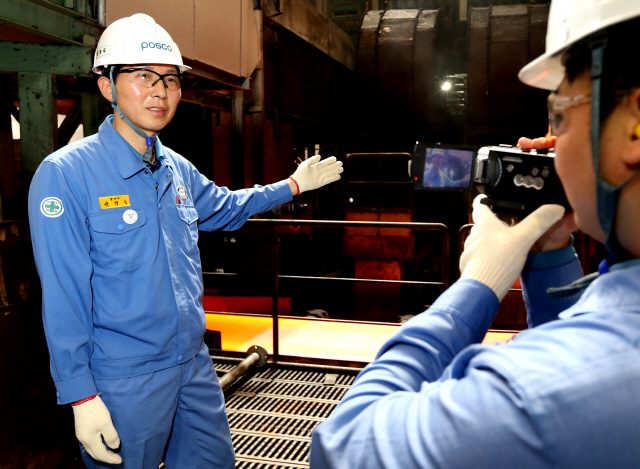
(558, 106)
(149, 78)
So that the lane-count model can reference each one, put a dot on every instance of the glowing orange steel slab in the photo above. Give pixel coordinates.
(311, 338)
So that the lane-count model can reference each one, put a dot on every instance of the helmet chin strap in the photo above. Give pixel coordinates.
(114, 104)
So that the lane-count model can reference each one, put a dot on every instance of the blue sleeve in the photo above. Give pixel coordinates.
(544, 270)
(222, 209)
(61, 246)
(407, 411)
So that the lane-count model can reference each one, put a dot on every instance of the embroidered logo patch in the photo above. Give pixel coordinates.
(52, 207)
(182, 192)
(130, 217)
(114, 201)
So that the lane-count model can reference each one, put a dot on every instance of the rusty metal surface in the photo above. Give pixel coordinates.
(425, 80)
(305, 21)
(379, 247)
(502, 39)
(303, 87)
(395, 61)
(478, 35)
(398, 68)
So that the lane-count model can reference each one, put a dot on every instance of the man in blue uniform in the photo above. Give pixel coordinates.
(563, 394)
(436, 176)
(114, 221)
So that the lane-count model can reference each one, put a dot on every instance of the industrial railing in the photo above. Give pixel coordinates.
(444, 282)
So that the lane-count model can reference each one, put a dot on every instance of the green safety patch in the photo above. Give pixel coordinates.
(52, 207)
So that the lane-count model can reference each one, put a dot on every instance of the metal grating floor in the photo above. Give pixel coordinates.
(273, 413)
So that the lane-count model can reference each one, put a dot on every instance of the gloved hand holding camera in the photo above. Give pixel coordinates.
(495, 253)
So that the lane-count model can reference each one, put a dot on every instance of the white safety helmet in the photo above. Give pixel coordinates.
(437, 152)
(569, 22)
(136, 39)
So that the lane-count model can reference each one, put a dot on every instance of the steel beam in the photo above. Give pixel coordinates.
(52, 21)
(38, 120)
(44, 58)
(8, 180)
(257, 109)
(92, 112)
(237, 140)
(70, 123)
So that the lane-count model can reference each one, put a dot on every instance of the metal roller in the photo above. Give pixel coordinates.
(256, 358)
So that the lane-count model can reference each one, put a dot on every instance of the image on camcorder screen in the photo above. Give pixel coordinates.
(447, 167)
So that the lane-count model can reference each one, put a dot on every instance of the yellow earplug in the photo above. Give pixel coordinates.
(636, 131)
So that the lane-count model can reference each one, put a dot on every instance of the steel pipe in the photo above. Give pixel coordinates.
(256, 358)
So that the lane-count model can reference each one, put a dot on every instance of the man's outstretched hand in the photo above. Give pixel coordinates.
(313, 173)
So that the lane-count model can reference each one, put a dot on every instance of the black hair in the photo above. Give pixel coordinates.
(107, 68)
(621, 72)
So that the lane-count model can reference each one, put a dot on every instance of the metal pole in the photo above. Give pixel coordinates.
(102, 13)
(237, 139)
(257, 109)
(275, 309)
(256, 357)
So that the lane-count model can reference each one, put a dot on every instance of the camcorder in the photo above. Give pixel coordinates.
(515, 181)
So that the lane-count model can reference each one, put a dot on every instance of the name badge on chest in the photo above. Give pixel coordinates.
(182, 192)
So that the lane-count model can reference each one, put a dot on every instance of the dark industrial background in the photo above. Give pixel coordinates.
(349, 78)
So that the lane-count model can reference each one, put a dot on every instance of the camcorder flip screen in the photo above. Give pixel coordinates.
(442, 167)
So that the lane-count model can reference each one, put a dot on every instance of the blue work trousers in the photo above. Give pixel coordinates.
(176, 415)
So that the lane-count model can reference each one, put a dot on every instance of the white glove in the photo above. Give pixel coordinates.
(495, 253)
(93, 422)
(311, 175)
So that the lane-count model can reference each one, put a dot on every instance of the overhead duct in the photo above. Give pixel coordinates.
(399, 69)
(502, 39)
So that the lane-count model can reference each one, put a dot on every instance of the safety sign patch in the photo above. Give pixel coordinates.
(182, 192)
(52, 207)
(114, 201)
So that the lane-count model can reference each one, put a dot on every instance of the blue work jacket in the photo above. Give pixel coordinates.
(563, 394)
(118, 257)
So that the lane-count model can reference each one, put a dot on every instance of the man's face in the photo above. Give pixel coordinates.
(573, 157)
(618, 154)
(150, 109)
(437, 160)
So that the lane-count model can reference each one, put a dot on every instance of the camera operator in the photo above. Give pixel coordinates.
(564, 393)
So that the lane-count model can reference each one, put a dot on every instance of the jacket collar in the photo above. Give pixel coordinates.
(121, 152)
(616, 290)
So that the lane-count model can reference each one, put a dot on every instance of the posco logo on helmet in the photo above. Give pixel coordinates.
(155, 45)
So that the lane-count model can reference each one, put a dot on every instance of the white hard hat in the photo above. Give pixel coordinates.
(437, 151)
(136, 39)
(569, 22)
